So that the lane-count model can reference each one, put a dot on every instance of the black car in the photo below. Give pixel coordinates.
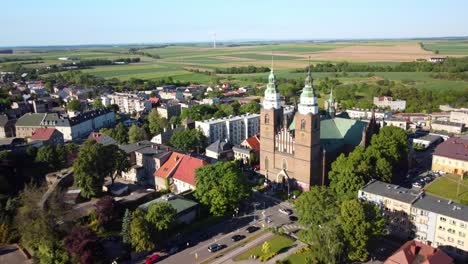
(214, 247)
(252, 229)
(237, 238)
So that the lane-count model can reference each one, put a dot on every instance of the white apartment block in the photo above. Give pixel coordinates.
(388, 101)
(129, 103)
(358, 113)
(413, 214)
(234, 129)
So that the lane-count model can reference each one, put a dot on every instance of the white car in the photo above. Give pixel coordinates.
(285, 211)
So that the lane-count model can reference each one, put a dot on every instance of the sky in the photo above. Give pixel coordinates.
(64, 22)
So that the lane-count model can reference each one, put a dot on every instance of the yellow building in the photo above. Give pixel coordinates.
(451, 156)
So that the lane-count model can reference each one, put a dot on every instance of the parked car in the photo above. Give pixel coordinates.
(427, 179)
(153, 259)
(252, 229)
(285, 211)
(174, 250)
(214, 247)
(236, 238)
(418, 184)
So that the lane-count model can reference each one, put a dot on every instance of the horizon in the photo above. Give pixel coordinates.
(142, 22)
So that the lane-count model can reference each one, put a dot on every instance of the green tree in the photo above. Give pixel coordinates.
(74, 105)
(97, 104)
(316, 206)
(161, 216)
(62, 155)
(48, 156)
(120, 134)
(252, 107)
(31, 151)
(140, 232)
(135, 134)
(89, 172)
(156, 122)
(175, 120)
(360, 222)
(266, 248)
(189, 140)
(326, 240)
(126, 226)
(221, 187)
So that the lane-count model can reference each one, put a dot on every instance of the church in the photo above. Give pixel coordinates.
(298, 148)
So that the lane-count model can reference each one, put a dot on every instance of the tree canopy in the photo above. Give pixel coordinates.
(188, 140)
(140, 232)
(74, 105)
(135, 134)
(221, 187)
(161, 216)
(156, 122)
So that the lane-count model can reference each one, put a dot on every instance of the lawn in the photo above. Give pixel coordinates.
(446, 187)
(278, 243)
(297, 258)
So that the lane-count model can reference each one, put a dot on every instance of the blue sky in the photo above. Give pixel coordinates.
(60, 22)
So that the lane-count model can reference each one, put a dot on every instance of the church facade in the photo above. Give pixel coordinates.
(299, 148)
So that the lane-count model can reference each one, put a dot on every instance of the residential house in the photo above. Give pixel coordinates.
(163, 175)
(165, 136)
(358, 113)
(169, 110)
(48, 136)
(7, 126)
(459, 117)
(102, 138)
(451, 156)
(414, 251)
(187, 210)
(220, 150)
(145, 159)
(184, 175)
(427, 140)
(130, 103)
(388, 101)
(249, 148)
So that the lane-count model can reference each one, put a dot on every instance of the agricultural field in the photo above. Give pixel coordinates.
(179, 61)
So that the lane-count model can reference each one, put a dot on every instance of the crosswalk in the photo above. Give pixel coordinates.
(292, 227)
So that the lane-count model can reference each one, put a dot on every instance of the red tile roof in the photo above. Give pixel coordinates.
(454, 148)
(43, 133)
(254, 142)
(153, 100)
(169, 166)
(186, 170)
(409, 252)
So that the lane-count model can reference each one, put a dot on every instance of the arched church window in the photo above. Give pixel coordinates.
(285, 165)
(303, 124)
(266, 163)
(267, 119)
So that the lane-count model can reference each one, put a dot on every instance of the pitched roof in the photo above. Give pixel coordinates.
(169, 166)
(219, 146)
(337, 132)
(30, 119)
(254, 142)
(415, 252)
(454, 148)
(179, 203)
(185, 172)
(100, 137)
(43, 133)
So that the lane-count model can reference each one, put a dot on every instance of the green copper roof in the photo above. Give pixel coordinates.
(308, 90)
(271, 86)
(337, 132)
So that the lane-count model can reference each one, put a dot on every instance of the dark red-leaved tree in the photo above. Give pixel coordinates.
(83, 244)
(106, 210)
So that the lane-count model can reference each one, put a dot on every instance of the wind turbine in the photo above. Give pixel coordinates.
(214, 40)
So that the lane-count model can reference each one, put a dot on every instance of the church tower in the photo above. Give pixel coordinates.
(307, 136)
(271, 116)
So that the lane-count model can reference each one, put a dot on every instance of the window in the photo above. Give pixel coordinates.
(462, 225)
(303, 124)
(461, 234)
(443, 219)
(285, 165)
(266, 163)
(452, 222)
(450, 239)
(267, 119)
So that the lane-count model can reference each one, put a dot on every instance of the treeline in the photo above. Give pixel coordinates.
(8, 59)
(137, 51)
(100, 62)
(243, 69)
(204, 112)
(6, 51)
(452, 65)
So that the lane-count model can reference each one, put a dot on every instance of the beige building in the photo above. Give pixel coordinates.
(451, 156)
(413, 214)
(459, 117)
(449, 127)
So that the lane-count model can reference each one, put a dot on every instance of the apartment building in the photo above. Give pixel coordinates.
(388, 101)
(414, 214)
(234, 129)
(358, 113)
(459, 117)
(451, 156)
(129, 103)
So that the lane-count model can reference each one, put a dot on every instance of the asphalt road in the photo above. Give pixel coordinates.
(221, 233)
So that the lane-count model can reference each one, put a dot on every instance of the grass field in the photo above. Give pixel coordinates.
(446, 187)
(277, 244)
(298, 258)
(176, 60)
